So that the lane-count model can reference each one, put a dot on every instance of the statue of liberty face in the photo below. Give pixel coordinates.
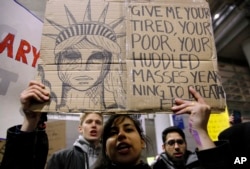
(92, 63)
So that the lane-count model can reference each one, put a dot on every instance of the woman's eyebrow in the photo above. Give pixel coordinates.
(124, 125)
(127, 124)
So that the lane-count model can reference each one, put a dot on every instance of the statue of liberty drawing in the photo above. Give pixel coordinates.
(88, 63)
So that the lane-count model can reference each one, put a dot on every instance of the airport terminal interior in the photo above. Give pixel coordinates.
(231, 24)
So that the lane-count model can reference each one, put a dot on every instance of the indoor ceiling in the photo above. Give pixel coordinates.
(231, 24)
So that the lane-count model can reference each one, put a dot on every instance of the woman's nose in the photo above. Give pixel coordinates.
(121, 135)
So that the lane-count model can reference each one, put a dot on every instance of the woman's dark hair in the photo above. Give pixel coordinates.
(104, 161)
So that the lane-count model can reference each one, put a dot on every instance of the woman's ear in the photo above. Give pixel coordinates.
(143, 143)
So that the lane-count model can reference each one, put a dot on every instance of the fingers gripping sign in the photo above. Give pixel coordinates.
(35, 92)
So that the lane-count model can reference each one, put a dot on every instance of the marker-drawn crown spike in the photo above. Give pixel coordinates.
(87, 27)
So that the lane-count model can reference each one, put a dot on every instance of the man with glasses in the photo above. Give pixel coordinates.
(175, 153)
(208, 155)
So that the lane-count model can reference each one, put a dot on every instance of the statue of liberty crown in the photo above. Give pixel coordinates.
(87, 27)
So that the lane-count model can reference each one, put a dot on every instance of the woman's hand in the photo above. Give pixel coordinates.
(35, 92)
(199, 113)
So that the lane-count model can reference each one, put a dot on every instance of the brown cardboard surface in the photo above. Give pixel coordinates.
(127, 55)
(56, 136)
(2, 149)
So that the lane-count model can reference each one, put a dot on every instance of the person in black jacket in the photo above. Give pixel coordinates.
(175, 153)
(123, 139)
(238, 136)
(86, 148)
(27, 144)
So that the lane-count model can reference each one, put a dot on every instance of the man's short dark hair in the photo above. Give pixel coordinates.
(170, 130)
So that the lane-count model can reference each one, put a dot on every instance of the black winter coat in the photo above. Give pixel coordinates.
(25, 150)
(81, 155)
(142, 165)
(72, 158)
(238, 136)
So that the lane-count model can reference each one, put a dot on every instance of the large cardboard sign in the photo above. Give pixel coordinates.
(120, 56)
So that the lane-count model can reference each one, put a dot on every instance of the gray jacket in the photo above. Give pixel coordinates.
(163, 162)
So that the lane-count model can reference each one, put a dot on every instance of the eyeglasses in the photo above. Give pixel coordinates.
(172, 142)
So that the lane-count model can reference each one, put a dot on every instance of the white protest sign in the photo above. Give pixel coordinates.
(20, 36)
